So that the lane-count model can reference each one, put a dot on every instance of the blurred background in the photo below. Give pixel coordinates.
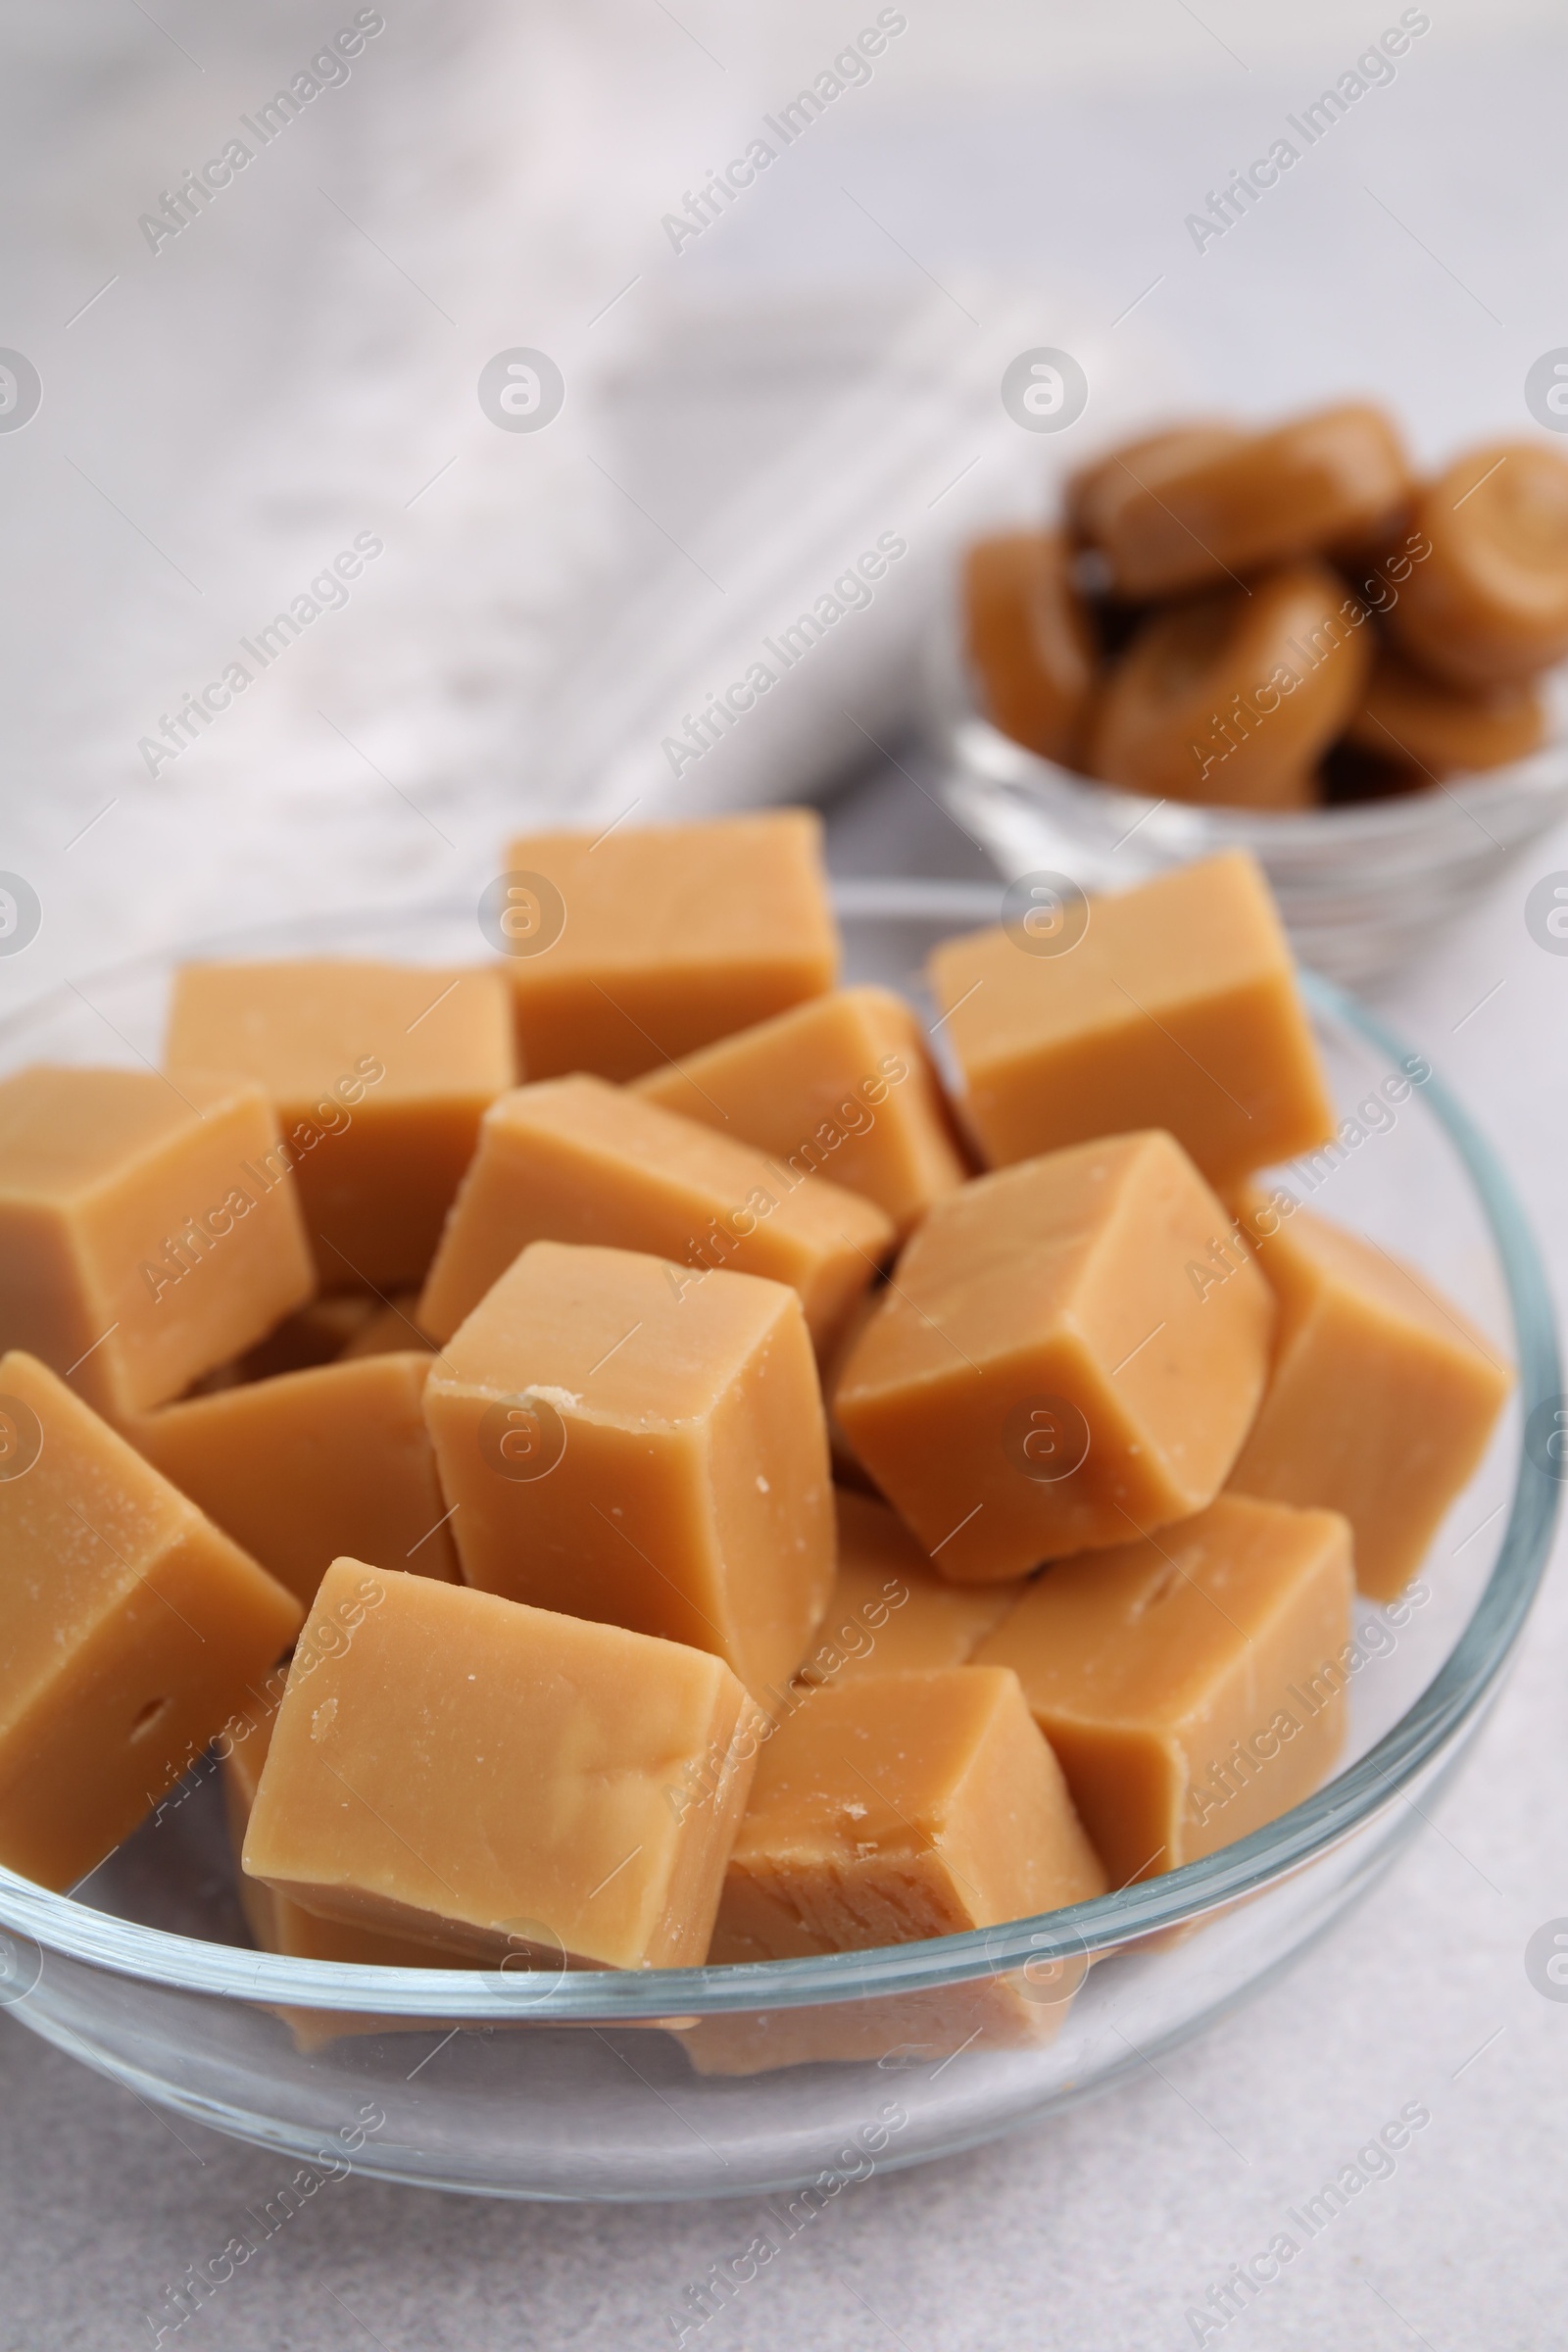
(229, 403)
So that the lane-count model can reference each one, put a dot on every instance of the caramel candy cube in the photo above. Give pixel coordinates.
(488, 1777)
(578, 1160)
(842, 1086)
(631, 947)
(276, 1924)
(891, 1611)
(296, 1467)
(625, 1444)
(1175, 1008)
(1190, 1683)
(900, 1806)
(279, 1925)
(149, 1229)
(1381, 1398)
(910, 1804)
(132, 1627)
(379, 1072)
(1043, 1375)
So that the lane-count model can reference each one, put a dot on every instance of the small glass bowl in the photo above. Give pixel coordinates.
(590, 2085)
(1363, 889)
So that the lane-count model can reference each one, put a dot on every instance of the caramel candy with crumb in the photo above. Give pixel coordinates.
(1437, 730)
(298, 1467)
(1190, 1683)
(1044, 1376)
(1190, 508)
(149, 1231)
(628, 947)
(575, 1160)
(1029, 640)
(133, 1627)
(900, 1806)
(279, 1925)
(1231, 698)
(495, 1778)
(627, 1442)
(1489, 603)
(1381, 1395)
(1177, 1007)
(890, 1610)
(840, 1086)
(379, 1073)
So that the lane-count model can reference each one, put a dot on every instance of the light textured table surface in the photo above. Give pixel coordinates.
(218, 418)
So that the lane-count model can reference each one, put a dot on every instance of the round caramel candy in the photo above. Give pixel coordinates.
(1439, 731)
(1231, 698)
(1197, 507)
(1029, 639)
(1096, 493)
(1489, 602)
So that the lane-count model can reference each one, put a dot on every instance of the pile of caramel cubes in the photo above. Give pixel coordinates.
(633, 1468)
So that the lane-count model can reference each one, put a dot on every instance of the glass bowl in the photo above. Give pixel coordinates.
(611, 2085)
(1362, 887)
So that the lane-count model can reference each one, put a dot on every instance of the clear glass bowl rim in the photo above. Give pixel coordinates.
(1365, 1789)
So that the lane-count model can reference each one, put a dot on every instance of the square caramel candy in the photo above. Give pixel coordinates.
(575, 1160)
(131, 1627)
(622, 1442)
(902, 1806)
(379, 1073)
(841, 1086)
(891, 1609)
(298, 1467)
(1172, 1006)
(897, 1807)
(149, 1228)
(276, 1924)
(1190, 1683)
(628, 949)
(1381, 1395)
(1042, 1376)
(490, 1777)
